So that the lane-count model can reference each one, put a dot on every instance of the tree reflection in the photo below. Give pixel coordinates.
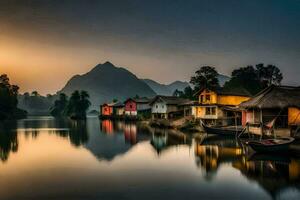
(78, 132)
(8, 139)
(75, 130)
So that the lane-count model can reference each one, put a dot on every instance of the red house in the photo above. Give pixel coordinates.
(134, 106)
(106, 109)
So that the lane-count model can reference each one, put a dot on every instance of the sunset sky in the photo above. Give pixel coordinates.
(43, 43)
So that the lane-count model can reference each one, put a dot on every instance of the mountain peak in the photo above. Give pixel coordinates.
(106, 82)
(107, 63)
(105, 66)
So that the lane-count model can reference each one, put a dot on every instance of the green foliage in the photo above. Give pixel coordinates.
(35, 103)
(254, 79)
(60, 105)
(9, 100)
(78, 105)
(75, 108)
(268, 75)
(245, 77)
(188, 93)
(205, 77)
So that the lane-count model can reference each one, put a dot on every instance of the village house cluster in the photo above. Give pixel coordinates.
(275, 107)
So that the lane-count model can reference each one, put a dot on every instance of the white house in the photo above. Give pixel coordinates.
(165, 107)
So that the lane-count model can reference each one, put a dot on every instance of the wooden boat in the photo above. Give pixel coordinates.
(271, 145)
(223, 130)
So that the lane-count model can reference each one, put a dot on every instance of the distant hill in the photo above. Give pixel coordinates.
(106, 82)
(163, 89)
(36, 105)
(169, 89)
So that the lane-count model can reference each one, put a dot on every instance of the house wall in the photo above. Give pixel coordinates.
(200, 112)
(247, 117)
(159, 107)
(119, 111)
(106, 110)
(293, 116)
(231, 100)
(130, 106)
(172, 108)
(213, 97)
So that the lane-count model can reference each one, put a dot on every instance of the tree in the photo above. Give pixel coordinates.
(269, 75)
(188, 93)
(9, 100)
(205, 77)
(60, 106)
(84, 102)
(78, 105)
(35, 94)
(245, 77)
(178, 93)
(254, 79)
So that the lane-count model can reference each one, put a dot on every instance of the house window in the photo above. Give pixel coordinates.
(156, 106)
(213, 111)
(210, 111)
(130, 106)
(163, 106)
(207, 111)
(201, 98)
(207, 97)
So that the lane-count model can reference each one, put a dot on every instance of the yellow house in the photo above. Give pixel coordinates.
(214, 105)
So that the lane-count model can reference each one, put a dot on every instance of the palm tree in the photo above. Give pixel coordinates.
(84, 102)
(78, 105)
(60, 105)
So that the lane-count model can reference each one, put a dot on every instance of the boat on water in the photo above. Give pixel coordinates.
(271, 145)
(224, 130)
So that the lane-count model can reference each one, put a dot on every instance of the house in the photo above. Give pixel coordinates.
(118, 109)
(219, 106)
(166, 107)
(136, 106)
(106, 109)
(112, 110)
(276, 107)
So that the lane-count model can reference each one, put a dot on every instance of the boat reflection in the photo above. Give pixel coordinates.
(274, 173)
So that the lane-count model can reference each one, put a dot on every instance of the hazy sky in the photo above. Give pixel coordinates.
(43, 43)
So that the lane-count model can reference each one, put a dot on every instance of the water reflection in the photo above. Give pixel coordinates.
(163, 139)
(215, 151)
(156, 163)
(8, 139)
(274, 173)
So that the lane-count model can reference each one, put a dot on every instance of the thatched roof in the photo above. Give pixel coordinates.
(275, 97)
(170, 100)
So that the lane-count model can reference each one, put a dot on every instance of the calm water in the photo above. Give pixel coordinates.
(42, 158)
